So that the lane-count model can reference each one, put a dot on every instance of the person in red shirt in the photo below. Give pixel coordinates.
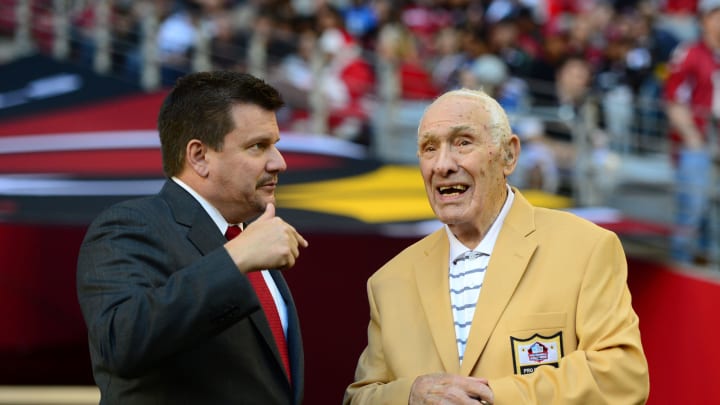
(347, 79)
(398, 48)
(692, 95)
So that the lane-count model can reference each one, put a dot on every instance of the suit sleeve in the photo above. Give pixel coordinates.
(609, 366)
(374, 383)
(147, 294)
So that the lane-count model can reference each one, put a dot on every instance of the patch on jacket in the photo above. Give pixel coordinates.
(536, 351)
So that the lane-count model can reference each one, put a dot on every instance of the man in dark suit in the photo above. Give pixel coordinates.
(174, 310)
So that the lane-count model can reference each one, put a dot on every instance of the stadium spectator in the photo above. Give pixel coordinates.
(536, 168)
(574, 120)
(503, 40)
(342, 79)
(447, 59)
(693, 109)
(397, 48)
(178, 35)
(492, 75)
(294, 77)
(554, 51)
(348, 79)
(561, 105)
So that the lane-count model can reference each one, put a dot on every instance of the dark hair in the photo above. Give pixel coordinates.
(199, 107)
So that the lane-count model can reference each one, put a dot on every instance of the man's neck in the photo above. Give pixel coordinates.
(471, 235)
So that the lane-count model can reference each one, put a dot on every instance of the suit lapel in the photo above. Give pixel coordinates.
(204, 234)
(202, 231)
(431, 274)
(510, 257)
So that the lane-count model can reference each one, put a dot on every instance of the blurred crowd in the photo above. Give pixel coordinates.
(544, 60)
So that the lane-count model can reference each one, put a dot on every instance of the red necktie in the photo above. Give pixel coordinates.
(268, 305)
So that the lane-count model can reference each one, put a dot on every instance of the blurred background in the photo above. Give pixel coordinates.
(583, 82)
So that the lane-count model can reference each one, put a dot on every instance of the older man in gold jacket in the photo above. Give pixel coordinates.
(507, 303)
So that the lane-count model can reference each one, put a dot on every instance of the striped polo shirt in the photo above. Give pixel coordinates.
(466, 275)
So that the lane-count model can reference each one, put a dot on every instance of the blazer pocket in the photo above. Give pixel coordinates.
(537, 322)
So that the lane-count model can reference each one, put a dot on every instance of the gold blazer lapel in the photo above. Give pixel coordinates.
(431, 274)
(510, 257)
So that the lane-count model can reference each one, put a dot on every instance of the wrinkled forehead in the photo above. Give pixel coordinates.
(452, 111)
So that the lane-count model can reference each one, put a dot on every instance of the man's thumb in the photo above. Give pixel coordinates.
(269, 212)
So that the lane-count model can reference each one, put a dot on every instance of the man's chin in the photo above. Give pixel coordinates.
(451, 219)
(264, 201)
(450, 215)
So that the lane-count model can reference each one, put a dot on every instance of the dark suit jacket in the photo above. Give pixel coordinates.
(170, 318)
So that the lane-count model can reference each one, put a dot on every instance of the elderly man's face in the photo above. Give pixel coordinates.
(463, 167)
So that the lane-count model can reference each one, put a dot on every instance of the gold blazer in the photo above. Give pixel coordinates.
(553, 323)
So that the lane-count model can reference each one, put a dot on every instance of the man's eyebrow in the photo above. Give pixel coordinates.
(261, 138)
(454, 131)
(460, 128)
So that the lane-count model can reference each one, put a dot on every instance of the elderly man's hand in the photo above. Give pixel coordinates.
(450, 389)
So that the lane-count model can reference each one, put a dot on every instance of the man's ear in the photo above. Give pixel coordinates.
(196, 157)
(511, 154)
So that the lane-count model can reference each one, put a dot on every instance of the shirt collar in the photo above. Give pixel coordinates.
(487, 244)
(214, 214)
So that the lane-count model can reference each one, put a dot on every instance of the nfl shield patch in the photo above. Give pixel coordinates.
(535, 351)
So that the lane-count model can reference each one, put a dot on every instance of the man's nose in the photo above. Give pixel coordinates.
(445, 162)
(276, 163)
